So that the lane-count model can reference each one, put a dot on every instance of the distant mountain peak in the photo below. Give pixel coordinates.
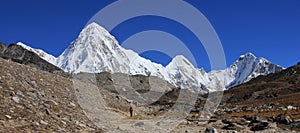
(247, 56)
(95, 29)
(247, 67)
(180, 60)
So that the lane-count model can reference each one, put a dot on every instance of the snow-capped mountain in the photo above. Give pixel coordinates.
(185, 75)
(47, 57)
(243, 70)
(96, 50)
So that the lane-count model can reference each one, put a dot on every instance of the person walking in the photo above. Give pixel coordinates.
(131, 111)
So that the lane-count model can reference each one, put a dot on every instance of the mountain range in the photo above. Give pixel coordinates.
(96, 50)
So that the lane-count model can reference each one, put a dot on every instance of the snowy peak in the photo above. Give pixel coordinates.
(96, 32)
(185, 75)
(95, 50)
(247, 67)
(248, 56)
(180, 64)
(180, 60)
(47, 57)
(249, 60)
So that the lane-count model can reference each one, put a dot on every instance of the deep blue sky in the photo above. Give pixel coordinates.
(267, 28)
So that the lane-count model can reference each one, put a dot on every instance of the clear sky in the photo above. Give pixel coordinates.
(267, 28)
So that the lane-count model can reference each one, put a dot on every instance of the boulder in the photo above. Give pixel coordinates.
(234, 126)
(210, 130)
(260, 126)
(256, 119)
(139, 124)
(283, 119)
(295, 124)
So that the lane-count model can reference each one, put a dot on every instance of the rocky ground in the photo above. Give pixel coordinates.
(265, 104)
(34, 99)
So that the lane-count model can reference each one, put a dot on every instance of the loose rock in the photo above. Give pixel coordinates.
(7, 116)
(139, 124)
(16, 99)
(43, 123)
(210, 130)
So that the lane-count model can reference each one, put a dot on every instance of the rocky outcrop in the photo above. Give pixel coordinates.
(21, 55)
(2, 48)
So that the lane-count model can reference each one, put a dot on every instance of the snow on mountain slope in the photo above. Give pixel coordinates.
(243, 70)
(47, 57)
(96, 50)
(185, 75)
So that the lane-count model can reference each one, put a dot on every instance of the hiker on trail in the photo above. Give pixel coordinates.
(131, 111)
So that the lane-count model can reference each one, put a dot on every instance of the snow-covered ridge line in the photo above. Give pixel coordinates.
(48, 57)
(96, 50)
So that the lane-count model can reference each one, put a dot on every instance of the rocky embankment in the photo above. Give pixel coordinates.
(35, 100)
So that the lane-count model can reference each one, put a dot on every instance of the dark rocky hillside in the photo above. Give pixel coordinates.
(273, 86)
(21, 55)
(274, 97)
(2, 48)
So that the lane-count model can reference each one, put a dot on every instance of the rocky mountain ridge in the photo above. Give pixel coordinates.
(21, 55)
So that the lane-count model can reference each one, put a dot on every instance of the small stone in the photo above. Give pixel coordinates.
(82, 125)
(296, 124)
(260, 126)
(32, 94)
(47, 111)
(63, 122)
(233, 126)
(210, 130)
(139, 124)
(16, 99)
(188, 123)
(72, 104)
(47, 105)
(19, 93)
(20, 106)
(1, 87)
(157, 124)
(61, 129)
(290, 107)
(11, 88)
(43, 123)
(33, 83)
(77, 122)
(283, 118)
(29, 111)
(7, 116)
(55, 103)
